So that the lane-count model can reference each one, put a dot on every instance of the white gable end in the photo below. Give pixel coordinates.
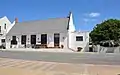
(71, 24)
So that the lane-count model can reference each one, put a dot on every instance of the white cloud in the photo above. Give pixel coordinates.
(85, 19)
(93, 14)
(89, 20)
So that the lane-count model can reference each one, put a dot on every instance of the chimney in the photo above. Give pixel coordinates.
(69, 14)
(16, 20)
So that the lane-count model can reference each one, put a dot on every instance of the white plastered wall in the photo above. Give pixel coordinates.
(84, 44)
(4, 31)
(4, 21)
(71, 29)
(50, 39)
(72, 43)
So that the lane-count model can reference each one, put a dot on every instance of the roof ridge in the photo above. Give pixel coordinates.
(42, 19)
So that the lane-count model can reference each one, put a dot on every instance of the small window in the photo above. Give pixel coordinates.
(5, 26)
(79, 38)
(0, 29)
(3, 40)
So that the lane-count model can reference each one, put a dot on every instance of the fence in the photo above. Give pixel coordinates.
(102, 49)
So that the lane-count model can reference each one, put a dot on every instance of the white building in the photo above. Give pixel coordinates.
(79, 39)
(51, 33)
(5, 26)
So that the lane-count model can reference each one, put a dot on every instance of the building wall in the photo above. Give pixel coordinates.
(64, 40)
(73, 44)
(50, 40)
(4, 21)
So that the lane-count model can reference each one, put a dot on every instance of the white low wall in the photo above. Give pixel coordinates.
(101, 49)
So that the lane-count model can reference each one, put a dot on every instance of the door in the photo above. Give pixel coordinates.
(56, 40)
(44, 40)
(23, 39)
(33, 39)
(13, 41)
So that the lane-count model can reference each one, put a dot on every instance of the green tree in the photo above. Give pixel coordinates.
(107, 30)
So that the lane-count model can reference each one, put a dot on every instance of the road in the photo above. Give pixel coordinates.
(76, 58)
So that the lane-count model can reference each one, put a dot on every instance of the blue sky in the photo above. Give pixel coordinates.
(86, 13)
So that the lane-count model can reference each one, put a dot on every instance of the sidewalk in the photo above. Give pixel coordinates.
(25, 67)
(41, 50)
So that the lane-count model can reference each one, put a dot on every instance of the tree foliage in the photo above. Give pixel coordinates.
(107, 30)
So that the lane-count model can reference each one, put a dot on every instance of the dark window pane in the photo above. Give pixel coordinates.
(0, 29)
(3, 40)
(5, 26)
(79, 38)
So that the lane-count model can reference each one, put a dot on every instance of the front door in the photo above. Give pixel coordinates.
(23, 39)
(44, 40)
(56, 40)
(33, 39)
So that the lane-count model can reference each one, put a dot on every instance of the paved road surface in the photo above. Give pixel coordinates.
(78, 58)
(28, 67)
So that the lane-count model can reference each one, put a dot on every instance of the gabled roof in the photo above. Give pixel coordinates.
(5, 19)
(40, 26)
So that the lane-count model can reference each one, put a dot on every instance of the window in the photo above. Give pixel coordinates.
(79, 38)
(0, 29)
(5, 26)
(3, 40)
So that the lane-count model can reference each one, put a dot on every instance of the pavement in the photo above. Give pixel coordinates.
(40, 50)
(27, 67)
(58, 63)
(61, 57)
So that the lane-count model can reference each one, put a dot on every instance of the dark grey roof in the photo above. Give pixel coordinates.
(40, 26)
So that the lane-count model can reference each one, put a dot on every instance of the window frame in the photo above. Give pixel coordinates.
(79, 38)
